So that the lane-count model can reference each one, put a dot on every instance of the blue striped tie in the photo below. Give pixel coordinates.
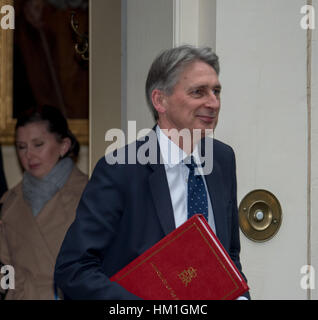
(197, 196)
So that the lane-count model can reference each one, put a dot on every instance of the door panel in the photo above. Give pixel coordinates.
(262, 49)
(314, 148)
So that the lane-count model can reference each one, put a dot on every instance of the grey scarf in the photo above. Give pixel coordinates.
(37, 192)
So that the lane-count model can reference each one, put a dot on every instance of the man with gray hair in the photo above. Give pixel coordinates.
(127, 208)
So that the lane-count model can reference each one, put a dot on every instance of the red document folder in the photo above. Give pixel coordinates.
(188, 264)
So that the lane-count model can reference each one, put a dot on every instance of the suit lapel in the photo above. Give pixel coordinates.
(215, 188)
(160, 193)
(161, 197)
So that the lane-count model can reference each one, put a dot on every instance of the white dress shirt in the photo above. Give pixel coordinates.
(177, 175)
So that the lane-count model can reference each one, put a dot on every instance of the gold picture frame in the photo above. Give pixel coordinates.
(7, 123)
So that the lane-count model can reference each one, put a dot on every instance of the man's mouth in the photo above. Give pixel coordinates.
(207, 118)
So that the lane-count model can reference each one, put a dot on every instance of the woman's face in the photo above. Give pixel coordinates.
(38, 149)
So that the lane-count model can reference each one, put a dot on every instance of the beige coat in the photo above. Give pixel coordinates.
(31, 244)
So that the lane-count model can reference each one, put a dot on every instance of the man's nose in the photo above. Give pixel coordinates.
(213, 100)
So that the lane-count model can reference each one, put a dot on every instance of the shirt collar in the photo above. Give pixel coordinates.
(171, 153)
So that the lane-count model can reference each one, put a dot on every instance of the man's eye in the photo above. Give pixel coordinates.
(216, 92)
(19, 147)
(197, 93)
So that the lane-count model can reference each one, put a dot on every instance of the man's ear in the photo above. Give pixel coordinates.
(158, 100)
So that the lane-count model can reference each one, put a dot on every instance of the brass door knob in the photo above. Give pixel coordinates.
(260, 215)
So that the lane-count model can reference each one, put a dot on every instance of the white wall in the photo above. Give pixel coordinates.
(264, 117)
(105, 74)
(149, 29)
(314, 144)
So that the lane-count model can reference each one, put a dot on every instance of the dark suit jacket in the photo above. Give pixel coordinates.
(124, 210)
